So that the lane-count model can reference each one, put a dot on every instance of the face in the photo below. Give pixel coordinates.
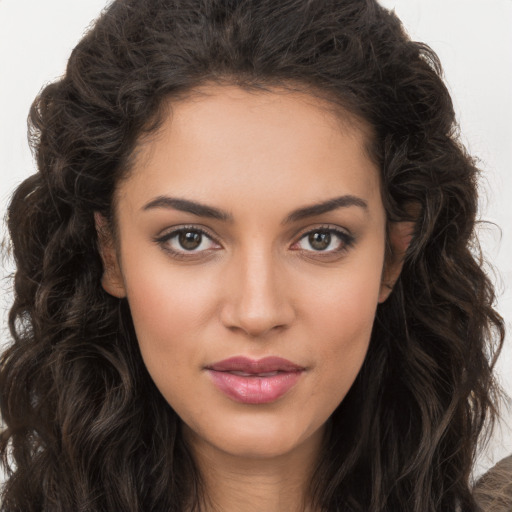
(251, 237)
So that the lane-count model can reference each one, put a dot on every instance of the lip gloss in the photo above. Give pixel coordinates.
(255, 382)
(254, 389)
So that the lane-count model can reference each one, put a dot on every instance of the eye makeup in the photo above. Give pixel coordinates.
(190, 242)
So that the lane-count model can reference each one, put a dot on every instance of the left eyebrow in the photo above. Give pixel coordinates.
(345, 201)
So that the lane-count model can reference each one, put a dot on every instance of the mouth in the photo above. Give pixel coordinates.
(252, 381)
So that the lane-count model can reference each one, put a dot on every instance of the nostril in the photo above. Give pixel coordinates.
(257, 325)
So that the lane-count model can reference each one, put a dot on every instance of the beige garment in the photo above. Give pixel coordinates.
(493, 491)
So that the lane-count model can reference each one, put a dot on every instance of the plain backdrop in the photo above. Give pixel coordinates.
(472, 37)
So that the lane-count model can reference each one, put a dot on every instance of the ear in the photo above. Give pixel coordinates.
(399, 237)
(112, 279)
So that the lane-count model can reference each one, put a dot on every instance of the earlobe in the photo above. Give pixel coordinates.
(112, 279)
(400, 236)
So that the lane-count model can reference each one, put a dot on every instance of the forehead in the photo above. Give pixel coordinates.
(226, 139)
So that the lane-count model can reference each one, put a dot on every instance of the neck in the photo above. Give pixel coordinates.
(273, 484)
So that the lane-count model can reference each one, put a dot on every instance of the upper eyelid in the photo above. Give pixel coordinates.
(324, 227)
(170, 232)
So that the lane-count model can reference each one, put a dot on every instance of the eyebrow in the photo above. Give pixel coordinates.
(202, 210)
(324, 207)
(185, 205)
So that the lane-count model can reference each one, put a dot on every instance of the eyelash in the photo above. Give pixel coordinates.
(346, 240)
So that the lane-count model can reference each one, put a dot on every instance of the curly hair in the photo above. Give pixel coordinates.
(83, 419)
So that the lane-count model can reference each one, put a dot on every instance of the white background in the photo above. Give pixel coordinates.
(472, 37)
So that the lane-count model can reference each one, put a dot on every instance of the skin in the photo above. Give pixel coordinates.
(257, 287)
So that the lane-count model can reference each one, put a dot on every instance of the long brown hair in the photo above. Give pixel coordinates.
(86, 429)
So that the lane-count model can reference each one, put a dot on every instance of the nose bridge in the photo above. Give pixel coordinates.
(257, 301)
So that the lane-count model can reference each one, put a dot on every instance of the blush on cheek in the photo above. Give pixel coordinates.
(164, 315)
(351, 301)
(347, 321)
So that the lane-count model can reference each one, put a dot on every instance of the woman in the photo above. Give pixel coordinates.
(246, 276)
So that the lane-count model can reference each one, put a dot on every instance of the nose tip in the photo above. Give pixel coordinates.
(257, 304)
(254, 321)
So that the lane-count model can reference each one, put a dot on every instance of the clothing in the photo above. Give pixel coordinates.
(493, 491)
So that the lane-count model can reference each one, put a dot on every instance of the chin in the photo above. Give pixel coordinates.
(260, 448)
(259, 440)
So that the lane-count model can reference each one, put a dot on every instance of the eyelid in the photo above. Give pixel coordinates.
(324, 227)
(173, 230)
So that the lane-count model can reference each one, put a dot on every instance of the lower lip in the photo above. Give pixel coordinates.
(254, 390)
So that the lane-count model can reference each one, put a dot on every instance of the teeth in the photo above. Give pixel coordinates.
(245, 374)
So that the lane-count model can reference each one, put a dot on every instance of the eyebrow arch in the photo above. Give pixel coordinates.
(185, 205)
(324, 207)
(202, 210)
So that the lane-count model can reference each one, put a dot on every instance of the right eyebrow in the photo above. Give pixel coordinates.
(185, 205)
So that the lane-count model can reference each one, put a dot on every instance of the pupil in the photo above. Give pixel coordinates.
(190, 240)
(320, 240)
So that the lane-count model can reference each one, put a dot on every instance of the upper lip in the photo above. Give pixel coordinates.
(247, 365)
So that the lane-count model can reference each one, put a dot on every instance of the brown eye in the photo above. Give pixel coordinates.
(190, 240)
(186, 242)
(319, 240)
(325, 240)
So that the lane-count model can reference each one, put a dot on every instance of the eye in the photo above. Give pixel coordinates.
(324, 240)
(185, 240)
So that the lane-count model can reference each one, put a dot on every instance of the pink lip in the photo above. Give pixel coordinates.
(255, 387)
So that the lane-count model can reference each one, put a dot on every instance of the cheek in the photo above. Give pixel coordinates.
(168, 310)
(342, 317)
(168, 318)
(162, 307)
(345, 323)
(347, 301)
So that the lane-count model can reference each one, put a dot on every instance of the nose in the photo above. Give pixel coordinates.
(257, 298)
